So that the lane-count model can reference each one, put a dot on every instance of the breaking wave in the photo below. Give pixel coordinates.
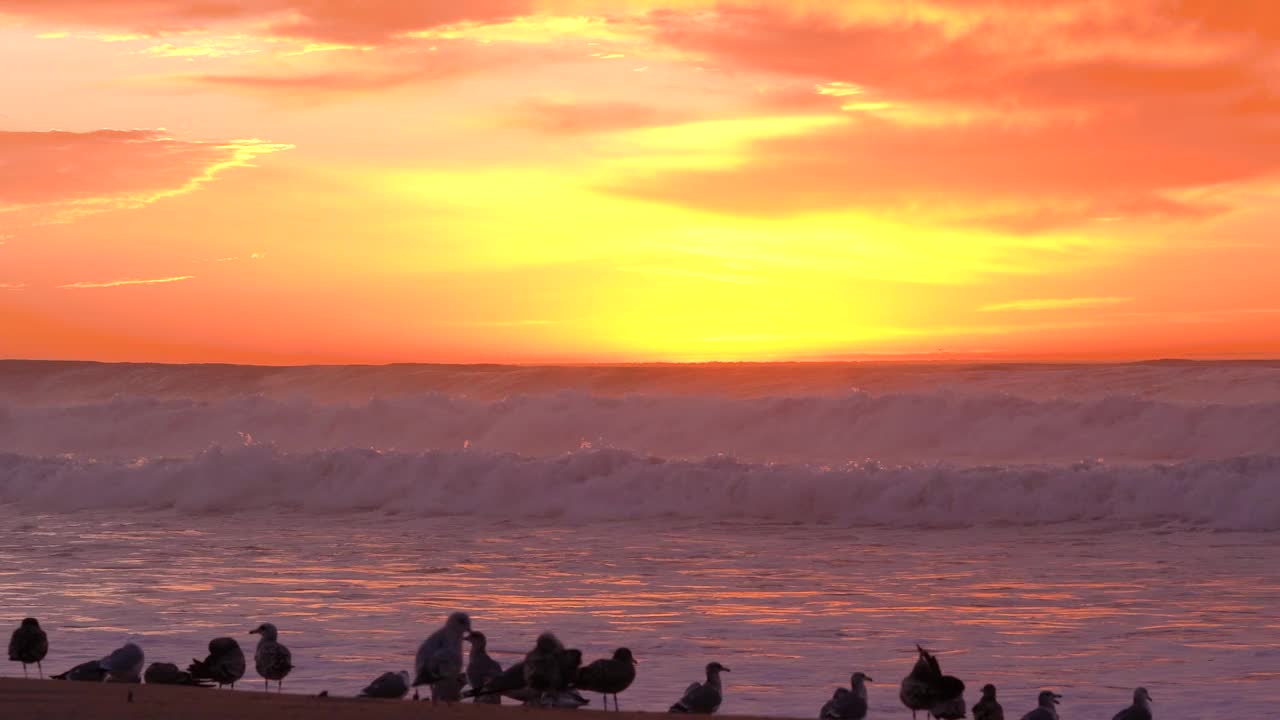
(894, 427)
(1231, 494)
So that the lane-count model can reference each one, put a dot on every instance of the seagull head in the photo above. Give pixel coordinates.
(477, 640)
(266, 630)
(989, 691)
(31, 623)
(624, 655)
(459, 622)
(1141, 696)
(858, 678)
(716, 668)
(1049, 698)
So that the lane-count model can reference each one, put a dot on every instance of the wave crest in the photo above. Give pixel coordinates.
(1233, 494)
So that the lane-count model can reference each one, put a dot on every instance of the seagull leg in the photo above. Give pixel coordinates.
(40, 668)
(266, 685)
(24, 671)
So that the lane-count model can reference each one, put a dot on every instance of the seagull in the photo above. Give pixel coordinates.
(544, 666)
(124, 664)
(162, 673)
(609, 676)
(390, 685)
(848, 703)
(1046, 707)
(481, 668)
(703, 698)
(272, 660)
(29, 644)
(987, 708)
(926, 688)
(225, 664)
(439, 657)
(84, 672)
(510, 684)
(1140, 709)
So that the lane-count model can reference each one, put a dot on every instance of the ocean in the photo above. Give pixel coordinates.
(1084, 528)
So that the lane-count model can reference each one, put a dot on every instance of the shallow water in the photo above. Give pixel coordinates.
(792, 609)
(1083, 528)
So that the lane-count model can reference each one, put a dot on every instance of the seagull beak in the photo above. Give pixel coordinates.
(255, 632)
(635, 661)
(868, 679)
(725, 669)
(1056, 698)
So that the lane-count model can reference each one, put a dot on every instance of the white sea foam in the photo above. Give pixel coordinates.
(1236, 494)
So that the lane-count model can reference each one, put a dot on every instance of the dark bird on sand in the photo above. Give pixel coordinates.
(1139, 710)
(987, 708)
(28, 645)
(482, 669)
(272, 660)
(847, 703)
(388, 685)
(224, 665)
(91, 671)
(926, 688)
(162, 673)
(703, 698)
(1046, 707)
(609, 676)
(544, 667)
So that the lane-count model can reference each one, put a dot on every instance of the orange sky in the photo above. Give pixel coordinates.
(582, 180)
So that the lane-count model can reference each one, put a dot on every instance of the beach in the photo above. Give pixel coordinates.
(57, 700)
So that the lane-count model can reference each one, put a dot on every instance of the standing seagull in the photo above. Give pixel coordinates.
(609, 676)
(225, 664)
(703, 698)
(124, 664)
(848, 703)
(481, 668)
(1046, 707)
(926, 688)
(272, 660)
(29, 644)
(439, 659)
(1140, 709)
(389, 685)
(987, 708)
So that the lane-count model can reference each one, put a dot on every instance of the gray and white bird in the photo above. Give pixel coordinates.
(703, 698)
(388, 685)
(124, 664)
(609, 676)
(1046, 707)
(988, 708)
(848, 703)
(224, 665)
(29, 644)
(438, 662)
(481, 668)
(163, 673)
(272, 660)
(1140, 709)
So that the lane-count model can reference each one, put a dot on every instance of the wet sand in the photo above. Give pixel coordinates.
(62, 700)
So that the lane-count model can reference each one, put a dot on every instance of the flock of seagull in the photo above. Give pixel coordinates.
(550, 675)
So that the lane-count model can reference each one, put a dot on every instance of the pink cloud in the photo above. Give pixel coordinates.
(110, 168)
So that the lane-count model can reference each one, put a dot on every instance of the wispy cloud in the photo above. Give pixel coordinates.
(12, 285)
(122, 283)
(509, 323)
(1054, 304)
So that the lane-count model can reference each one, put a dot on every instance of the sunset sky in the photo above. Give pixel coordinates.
(283, 181)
